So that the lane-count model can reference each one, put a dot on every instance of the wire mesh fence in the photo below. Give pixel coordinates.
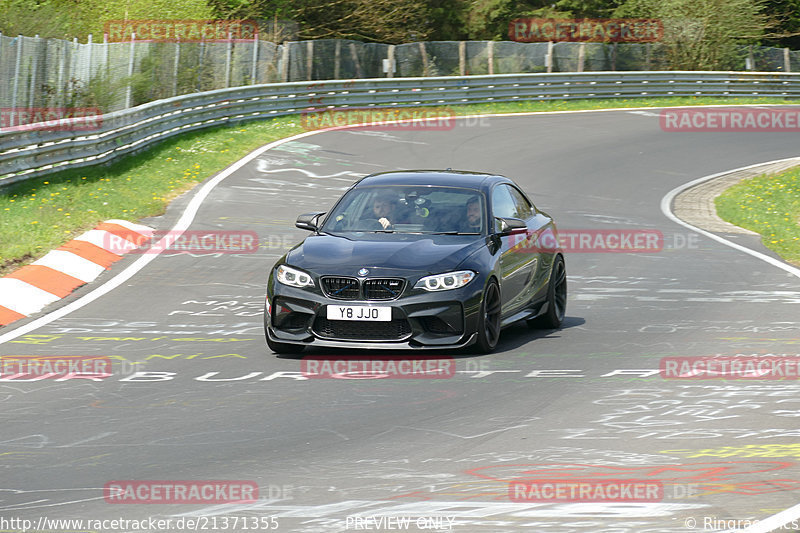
(110, 76)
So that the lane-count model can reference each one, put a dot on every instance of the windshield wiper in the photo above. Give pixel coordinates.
(453, 233)
(382, 231)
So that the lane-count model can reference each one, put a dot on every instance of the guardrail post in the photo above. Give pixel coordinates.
(581, 56)
(129, 89)
(309, 60)
(462, 58)
(490, 53)
(787, 64)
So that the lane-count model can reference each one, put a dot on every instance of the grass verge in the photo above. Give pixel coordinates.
(40, 214)
(770, 206)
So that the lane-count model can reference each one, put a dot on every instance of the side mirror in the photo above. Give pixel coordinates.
(308, 221)
(507, 226)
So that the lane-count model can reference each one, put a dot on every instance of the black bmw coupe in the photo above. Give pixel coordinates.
(418, 259)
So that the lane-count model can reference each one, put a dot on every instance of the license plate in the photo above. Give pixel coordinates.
(359, 312)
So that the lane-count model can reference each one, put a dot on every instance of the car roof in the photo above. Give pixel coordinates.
(446, 178)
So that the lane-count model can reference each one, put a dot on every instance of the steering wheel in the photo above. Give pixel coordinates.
(369, 224)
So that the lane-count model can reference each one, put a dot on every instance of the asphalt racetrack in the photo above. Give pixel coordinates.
(196, 395)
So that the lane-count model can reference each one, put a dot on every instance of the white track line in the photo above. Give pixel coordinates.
(183, 223)
(666, 208)
(194, 205)
(772, 522)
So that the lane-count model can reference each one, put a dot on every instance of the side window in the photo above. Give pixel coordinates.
(503, 204)
(523, 207)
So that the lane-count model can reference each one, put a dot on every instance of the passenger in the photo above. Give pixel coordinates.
(474, 221)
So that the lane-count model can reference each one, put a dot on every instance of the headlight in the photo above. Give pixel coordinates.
(444, 282)
(293, 277)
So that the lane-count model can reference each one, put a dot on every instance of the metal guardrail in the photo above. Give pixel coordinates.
(39, 151)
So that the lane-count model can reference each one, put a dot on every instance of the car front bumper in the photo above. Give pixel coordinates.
(435, 320)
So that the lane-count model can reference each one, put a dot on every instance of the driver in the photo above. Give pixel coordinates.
(383, 208)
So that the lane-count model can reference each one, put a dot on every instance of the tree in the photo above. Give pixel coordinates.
(78, 18)
(703, 34)
(46, 18)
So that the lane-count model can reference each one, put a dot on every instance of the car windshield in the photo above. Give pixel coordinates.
(409, 209)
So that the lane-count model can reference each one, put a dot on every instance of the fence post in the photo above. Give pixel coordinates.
(647, 48)
(34, 66)
(390, 61)
(614, 56)
(581, 56)
(490, 53)
(548, 59)
(787, 63)
(105, 65)
(201, 63)
(462, 58)
(285, 61)
(61, 92)
(310, 60)
(354, 53)
(131, 57)
(337, 59)
(17, 64)
(750, 62)
(89, 50)
(424, 55)
(1, 55)
(254, 72)
(175, 67)
(228, 54)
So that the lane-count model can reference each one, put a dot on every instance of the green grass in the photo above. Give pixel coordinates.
(40, 214)
(769, 205)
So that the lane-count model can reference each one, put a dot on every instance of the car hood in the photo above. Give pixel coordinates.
(333, 254)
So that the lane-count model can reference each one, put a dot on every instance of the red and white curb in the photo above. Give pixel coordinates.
(31, 288)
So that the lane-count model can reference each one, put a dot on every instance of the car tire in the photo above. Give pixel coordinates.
(489, 319)
(556, 298)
